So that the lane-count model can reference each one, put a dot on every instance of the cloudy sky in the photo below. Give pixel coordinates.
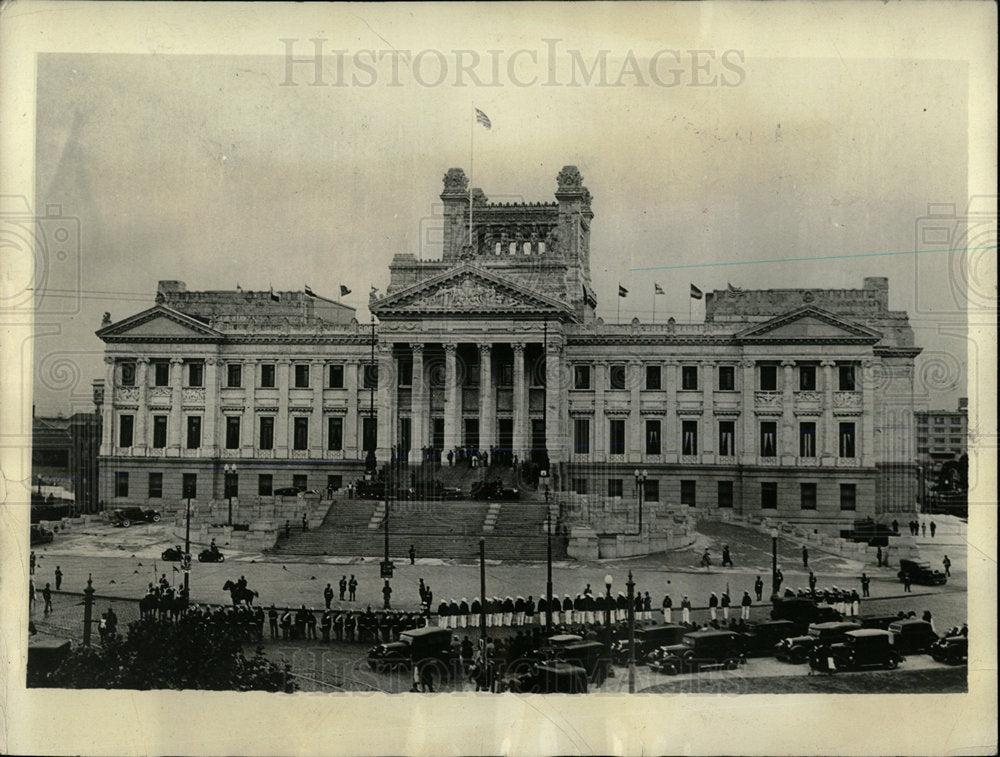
(226, 169)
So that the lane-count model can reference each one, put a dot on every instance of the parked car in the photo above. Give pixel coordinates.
(921, 572)
(876, 621)
(646, 640)
(126, 516)
(803, 611)
(419, 646)
(953, 650)
(796, 649)
(552, 677)
(289, 491)
(761, 638)
(496, 491)
(911, 636)
(40, 535)
(698, 650)
(865, 648)
(592, 656)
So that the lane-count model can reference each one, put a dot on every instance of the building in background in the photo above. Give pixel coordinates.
(794, 403)
(942, 434)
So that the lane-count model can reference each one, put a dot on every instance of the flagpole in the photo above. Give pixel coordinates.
(654, 304)
(618, 320)
(472, 164)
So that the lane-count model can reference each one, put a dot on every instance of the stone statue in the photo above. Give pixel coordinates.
(106, 320)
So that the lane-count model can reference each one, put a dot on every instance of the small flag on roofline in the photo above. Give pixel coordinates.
(622, 291)
(309, 291)
(275, 297)
(344, 291)
(483, 119)
(657, 289)
(734, 290)
(696, 293)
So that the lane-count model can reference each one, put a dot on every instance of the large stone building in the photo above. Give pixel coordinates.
(787, 402)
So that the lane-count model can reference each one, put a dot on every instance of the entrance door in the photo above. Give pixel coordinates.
(538, 452)
(472, 433)
(505, 431)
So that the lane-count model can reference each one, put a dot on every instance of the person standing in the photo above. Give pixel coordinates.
(328, 595)
(865, 583)
(685, 610)
(713, 605)
(647, 607)
(947, 566)
(805, 557)
(745, 606)
(305, 521)
(59, 575)
(668, 605)
(326, 624)
(386, 594)
(812, 582)
(778, 578)
(413, 555)
(310, 624)
(342, 585)
(47, 596)
(272, 618)
(878, 556)
(288, 529)
(726, 557)
(758, 588)
(352, 588)
(907, 581)
(923, 529)
(725, 602)
(31, 562)
(933, 529)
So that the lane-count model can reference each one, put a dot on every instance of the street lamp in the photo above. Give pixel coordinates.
(230, 469)
(631, 633)
(640, 485)
(187, 545)
(548, 580)
(774, 561)
(607, 601)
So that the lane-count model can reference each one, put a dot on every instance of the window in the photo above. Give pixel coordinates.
(689, 437)
(768, 439)
(727, 438)
(955, 440)
(334, 482)
(807, 439)
(725, 494)
(505, 374)
(807, 378)
(848, 496)
(923, 449)
(265, 484)
(159, 431)
(579, 485)
(125, 423)
(653, 377)
(189, 485)
(956, 421)
(301, 376)
(370, 376)
(581, 377)
(689, 377)
(300, 433)
(847, 440)
(471, 376)
(193, 431)
(196, 374)
(617, 376)
(155, 486)
(128, 374)
(335, 433)
(581, 436)
(404, 373)
(768, 377)
(161, 374)
(437, 433)
(846, 378)
(300, 480)
(616, 437)
(232, 432)
(768, 495)
(614, 487)
(266, 432)
(688, 491)
(232, 485)
(651, 490)
(727, 378)
(336, 380)
(121, 484)
(807, 496)
(234, 375)
(267, 375)
(653, 437)
(369, 433)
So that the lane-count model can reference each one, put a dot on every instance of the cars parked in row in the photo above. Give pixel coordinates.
(646, 640)
(860, 648)
(796, 649)
(951, 650)
(802, 611)
(126, 516)
(920, 572)
(698, 650)
(911, 636)
(425, 647)
(40, 535)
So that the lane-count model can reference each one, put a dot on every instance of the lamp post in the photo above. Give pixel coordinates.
(548, 578)
(230, 469)
(482, 605)
(607, 600)
(774, 561)
(631, 633)
(88, 604)
(640, 485)
(187, 547)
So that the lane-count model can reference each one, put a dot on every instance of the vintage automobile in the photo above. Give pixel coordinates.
(125, 517)
(802, 611)
(646, 640)
(796, 649)
(869, 531)
(552, 677)
(911, 636)
(760, 638)
(495, 490)
(40, 535)
(921, 572)
(953, 650)
(427, 647)
(876, 621)
(289, 491)
(592, 656)
(698, 650)
(865, 648)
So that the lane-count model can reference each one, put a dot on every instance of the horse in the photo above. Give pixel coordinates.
(148, 606)
(237, 594)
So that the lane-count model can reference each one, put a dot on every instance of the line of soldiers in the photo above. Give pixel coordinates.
(246, 623)
(352, 626)
(585, 608)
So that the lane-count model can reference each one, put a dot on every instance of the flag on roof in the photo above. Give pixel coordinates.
(275, 297)
(696, 293)
(483, 119)
(622, 291)
(344, 291)
(309, 292)
(734, 290)
(657, 289)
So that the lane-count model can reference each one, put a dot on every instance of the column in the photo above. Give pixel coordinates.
(352, 428)
(452, 400)
(386, 402)
(419, 406)
(107, 409)
(142, 411)
(599, 452)
(281, 422)
(554, 442)
(487, 401)
(746, 449)
(786, 433)
(709, 430)
(636, 433)
(317, 423)
(249, 422)
(210, 444)
(176, 399)
(672, 426)
(827, 441)
(520, 413)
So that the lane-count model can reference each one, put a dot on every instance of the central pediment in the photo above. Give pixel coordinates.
(809, 324)
(468, 290)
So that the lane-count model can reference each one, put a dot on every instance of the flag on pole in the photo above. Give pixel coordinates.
(309, 292)
(657, 289)
(483, 119)
(275, 297)
(696, 293)
(622, 291)
(734, 290)
(344, 291)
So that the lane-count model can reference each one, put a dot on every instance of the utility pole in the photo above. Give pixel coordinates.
(88, 605)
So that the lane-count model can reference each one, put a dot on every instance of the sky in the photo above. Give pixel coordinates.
(221, 170)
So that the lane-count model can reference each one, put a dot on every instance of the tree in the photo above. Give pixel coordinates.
(193, 653)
